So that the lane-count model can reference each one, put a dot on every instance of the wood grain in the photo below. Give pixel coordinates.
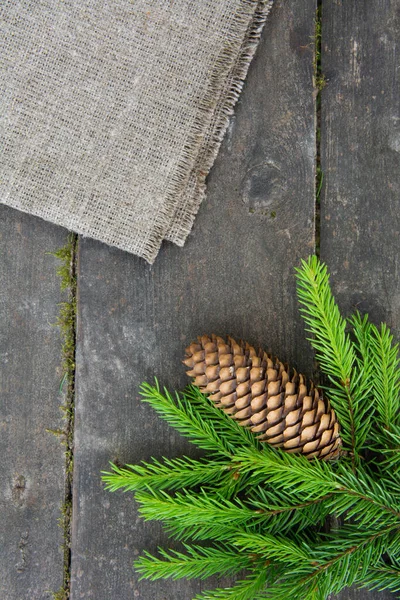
(234, 276)
(360, 146)
(32, 460)
(361, 156)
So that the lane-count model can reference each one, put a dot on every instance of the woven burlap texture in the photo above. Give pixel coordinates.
(112, 112)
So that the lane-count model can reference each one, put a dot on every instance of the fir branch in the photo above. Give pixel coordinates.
(184, 419)
(385, 376)
(192, 510)
(313, 481)
(292, 585)
(360, 550)
(198, 562)
(362, 380)
(223, 423)
(270, 547)
(207, 515)
(334, 350)
(264, 509)
(170, 474)
(388, 459)
(326, 571)
(382, 576)
(250, 588)
(322, 316)
(288, 472)
(275, 521)
(276, 510)
(201, 532)
(193, 415)
(287, 515)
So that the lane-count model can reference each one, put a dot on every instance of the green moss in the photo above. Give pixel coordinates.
(57, 432)
(67, 316)
(66, 322)
(62, 594)
(66, 271)
(319, 77)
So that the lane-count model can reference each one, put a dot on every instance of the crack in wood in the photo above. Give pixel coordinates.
(67, 324)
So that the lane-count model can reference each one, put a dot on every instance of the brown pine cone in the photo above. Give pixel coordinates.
(257, 390)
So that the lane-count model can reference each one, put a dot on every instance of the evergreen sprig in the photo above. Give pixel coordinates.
(266, 512)
(198, 561)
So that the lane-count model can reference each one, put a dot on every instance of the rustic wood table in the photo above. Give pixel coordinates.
(235, 275)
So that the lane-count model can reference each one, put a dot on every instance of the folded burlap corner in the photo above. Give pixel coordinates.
(113, 112)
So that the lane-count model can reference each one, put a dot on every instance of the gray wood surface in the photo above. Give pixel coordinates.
(32, 460)
(360, 144)
(361, 156)
(234, 276)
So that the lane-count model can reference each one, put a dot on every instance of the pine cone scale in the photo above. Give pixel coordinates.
(259, 391)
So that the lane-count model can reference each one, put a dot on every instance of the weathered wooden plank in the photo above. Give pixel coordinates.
(32, 460)
(361, 156)
(360, 136)
(234, 276)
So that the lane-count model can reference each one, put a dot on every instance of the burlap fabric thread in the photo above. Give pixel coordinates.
(112, 112)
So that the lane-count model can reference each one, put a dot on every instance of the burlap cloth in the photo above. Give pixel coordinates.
(112, 111)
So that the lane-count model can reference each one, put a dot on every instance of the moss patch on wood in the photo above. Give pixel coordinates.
(66, 322)
(319, 78)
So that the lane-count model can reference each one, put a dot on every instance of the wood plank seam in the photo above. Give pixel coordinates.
(68, 326)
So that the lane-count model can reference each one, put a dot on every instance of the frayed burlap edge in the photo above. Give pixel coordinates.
(211, 124)
(190, 199)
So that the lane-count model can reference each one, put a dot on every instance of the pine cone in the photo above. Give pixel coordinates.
(259, 392)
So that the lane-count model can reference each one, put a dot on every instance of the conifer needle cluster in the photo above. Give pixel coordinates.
(262, 515)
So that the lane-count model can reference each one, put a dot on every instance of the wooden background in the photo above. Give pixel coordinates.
(235, 275)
